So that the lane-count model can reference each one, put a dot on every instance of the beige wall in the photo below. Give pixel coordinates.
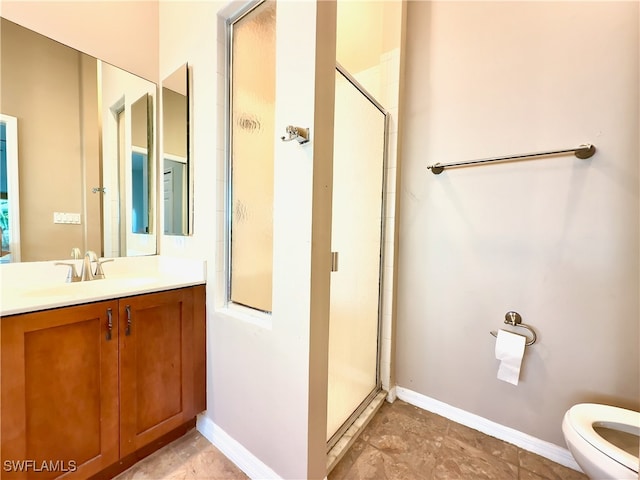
(556, 239)
(140, 122)
(123, 33)
(365, 31)
(51, 150)
(174, 123)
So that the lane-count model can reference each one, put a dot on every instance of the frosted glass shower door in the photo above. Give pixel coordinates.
(358, 169)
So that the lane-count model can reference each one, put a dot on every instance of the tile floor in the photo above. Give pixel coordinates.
(401, 442)
(405, 442)
(190, 457)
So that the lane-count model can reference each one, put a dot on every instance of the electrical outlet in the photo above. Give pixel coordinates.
(69, 218)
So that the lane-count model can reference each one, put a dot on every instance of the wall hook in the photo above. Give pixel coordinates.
(296, 133)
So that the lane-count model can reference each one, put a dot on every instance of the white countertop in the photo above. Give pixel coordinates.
(32, 286)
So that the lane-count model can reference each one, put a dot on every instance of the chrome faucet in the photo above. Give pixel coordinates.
(87, 273)
(72, 275)
(99, 273)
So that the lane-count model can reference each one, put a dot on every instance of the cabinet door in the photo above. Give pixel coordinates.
(59, 410)
(156, 361)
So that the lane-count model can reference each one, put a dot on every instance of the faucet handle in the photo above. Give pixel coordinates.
(75, 253)
(99, 272)
(72, 275)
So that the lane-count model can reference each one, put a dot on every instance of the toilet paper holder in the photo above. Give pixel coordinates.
(514, 319)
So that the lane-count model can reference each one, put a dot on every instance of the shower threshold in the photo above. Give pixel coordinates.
(350, 435)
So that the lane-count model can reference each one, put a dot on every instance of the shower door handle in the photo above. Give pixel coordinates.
(334, 261)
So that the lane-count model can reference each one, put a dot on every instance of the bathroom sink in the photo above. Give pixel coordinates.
(91, 288)
(55, 291)
(33, 286)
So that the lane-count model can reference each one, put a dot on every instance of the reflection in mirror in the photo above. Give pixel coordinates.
(67, 104)
(128, 168)
(176, 166)
(9, 198)
(140, 168)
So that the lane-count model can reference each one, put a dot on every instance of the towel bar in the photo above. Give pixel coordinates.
(583, 151)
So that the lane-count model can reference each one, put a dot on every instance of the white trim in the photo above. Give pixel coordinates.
(246, 314)
(543, 448)
(234, 451)
(13, 185)
(175, 158)
(392, 394)
(142, 150)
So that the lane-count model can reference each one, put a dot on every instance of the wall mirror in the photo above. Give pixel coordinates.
(175, 153)
(86, 149)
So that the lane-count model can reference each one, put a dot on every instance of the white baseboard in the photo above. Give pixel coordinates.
(234, 451)
(392, 395)
(256, 469)
(543, 448)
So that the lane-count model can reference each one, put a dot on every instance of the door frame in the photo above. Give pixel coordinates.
(13, 184)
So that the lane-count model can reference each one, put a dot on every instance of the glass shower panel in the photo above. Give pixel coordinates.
(358, 168)
(252, 143)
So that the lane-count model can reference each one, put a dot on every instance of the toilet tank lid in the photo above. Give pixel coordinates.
(583, 417)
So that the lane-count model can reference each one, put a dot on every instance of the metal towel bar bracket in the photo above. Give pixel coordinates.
(296, 133)
(514, 319)
(583, 151)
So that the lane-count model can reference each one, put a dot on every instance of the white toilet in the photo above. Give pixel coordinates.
(603, 440)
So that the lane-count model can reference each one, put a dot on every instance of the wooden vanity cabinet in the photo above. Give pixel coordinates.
(86, 386)
(156, 366)
(59, 391)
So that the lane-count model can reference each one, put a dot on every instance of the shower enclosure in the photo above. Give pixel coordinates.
(360, 126)
(357, 229)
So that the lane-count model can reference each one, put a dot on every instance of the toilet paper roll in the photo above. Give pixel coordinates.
(509, 350)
